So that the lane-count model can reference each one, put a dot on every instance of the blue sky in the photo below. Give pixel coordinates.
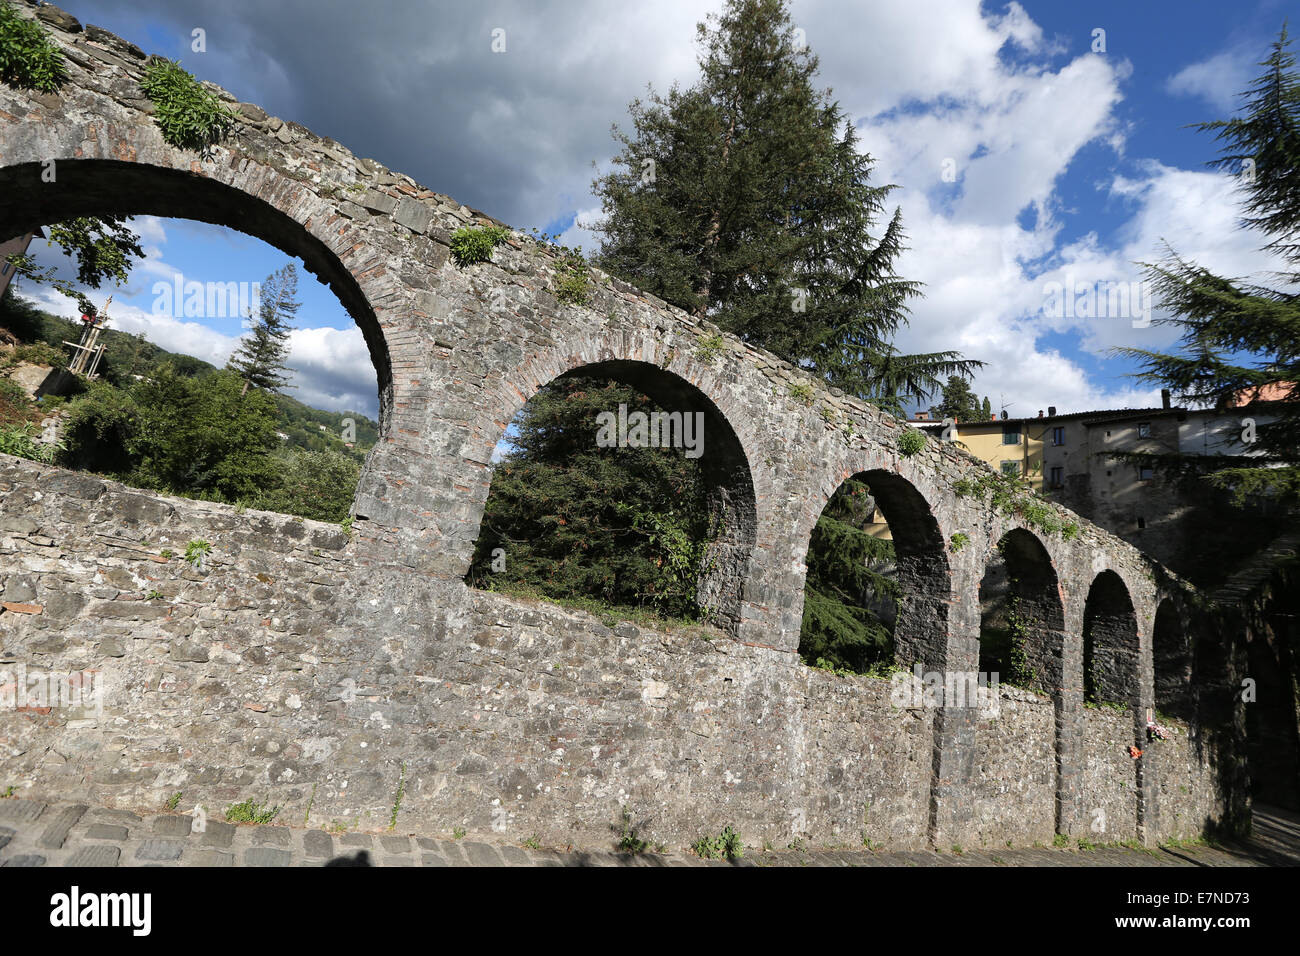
(1023, 157)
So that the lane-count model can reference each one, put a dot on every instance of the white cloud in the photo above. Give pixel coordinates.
(1217, 80)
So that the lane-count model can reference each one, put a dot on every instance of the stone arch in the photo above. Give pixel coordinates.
(1110, 642)
(1172, 660)
(731, 501)
(1033, 593)
(91, 187)
(921, 632)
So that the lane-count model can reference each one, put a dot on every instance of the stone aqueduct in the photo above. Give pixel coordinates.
(312, 668)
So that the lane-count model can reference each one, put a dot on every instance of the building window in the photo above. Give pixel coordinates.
(1058, 435)
(1144, 430)
(1011, 468)
(1057, 476)
(1011, 434)
(1145, 473)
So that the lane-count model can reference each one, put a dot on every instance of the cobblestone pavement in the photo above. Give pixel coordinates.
(33, 833)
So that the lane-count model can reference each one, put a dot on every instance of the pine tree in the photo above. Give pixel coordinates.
(261, 358)
(626, 526)
(745, 201)
(959, 402)
(1240, 338)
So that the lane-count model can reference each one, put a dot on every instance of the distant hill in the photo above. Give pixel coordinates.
(127, 356)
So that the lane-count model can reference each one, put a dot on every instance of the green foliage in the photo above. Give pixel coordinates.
(725, 846)
(848, 587)
(959, 403)
(458, 833)
(709, 347)
(29, 59)
(20, 440)
(193, 436)
(628, 841)
(313, 484)
(626, 527)
(534, 842)
(262, 356)
(1060, 841)
(1239, 337)
(800, 391)
(196, 551)
(910, 442)
(572, 286)
(174, 800)
(397, 800)
(36, 353)
(746, 199)
(959, 540)
(103, 247)
(1009, 495)
(470, 244)
(250, 812)
(189, 116)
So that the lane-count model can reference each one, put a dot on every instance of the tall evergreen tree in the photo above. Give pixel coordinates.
(262, 356)
(960, 403)
(745, 200)
(1241, 340)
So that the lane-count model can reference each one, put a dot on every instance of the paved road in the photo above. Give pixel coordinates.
(69, 834)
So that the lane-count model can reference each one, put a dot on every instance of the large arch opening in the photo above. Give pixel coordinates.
(623, 484)
(297, 447)
(877, 584)
(1021, 615)
(100, 187)
(1110, 643)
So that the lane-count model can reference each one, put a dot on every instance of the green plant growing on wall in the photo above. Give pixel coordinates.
(910, 442)
(20, 441)
(174, 801)
(571, 286)
(189, 116)
(250, 812)
(709, 347)
(470, 244)
(800, 391)
(397, 800)
(725, 846)
(29, 59)
(197, 551)
(628, 841)
(1020, 674)
(958, 541)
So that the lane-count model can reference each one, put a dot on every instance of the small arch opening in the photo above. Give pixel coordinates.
(877, 577)
(1110, 644)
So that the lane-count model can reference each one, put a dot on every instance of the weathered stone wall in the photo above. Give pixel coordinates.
(1014, 781)
(1110, 782)
(292, 669)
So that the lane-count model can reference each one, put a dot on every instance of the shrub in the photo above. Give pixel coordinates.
(470, 245)
(571, 286)
(20, 440)
(910, 442)
(29, 59)
(189, 116)
(250, 812)
(726, 846)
